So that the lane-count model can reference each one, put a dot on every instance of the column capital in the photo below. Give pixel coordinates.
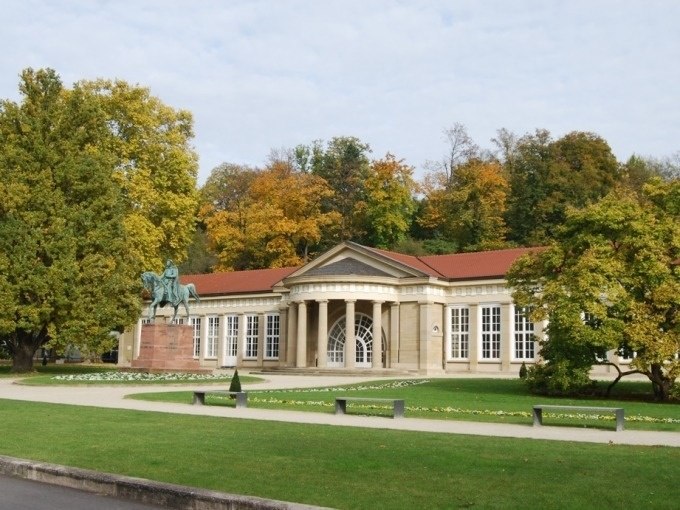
(321, 300)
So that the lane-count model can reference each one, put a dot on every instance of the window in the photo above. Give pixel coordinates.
(195, 322)
(212, 337)
(271, 340)
(252, 333)
(525, 341)
(460, 332)
(491, 332)
(231, 335)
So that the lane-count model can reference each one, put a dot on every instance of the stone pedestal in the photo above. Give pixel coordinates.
(166, 347)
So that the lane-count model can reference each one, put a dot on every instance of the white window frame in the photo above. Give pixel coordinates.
(252, 336)
(272, 336)
(195, 323)
(490, 332)
(231, 335)
(459, 333)
(212, 336)
(524, 336)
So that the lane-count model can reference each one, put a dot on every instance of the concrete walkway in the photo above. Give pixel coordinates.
(114, 397)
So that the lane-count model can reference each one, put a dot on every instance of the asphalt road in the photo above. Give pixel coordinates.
(20, 494)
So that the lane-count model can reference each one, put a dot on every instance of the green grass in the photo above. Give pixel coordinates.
(343, 467)
(491, 400)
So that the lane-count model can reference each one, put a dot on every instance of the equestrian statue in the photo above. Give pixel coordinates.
(166, 289)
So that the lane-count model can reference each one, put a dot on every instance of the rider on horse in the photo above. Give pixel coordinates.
(170, 281)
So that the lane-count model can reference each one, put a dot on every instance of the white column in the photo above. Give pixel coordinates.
(291, 347)
(204, 337)
(447, 334)
(393, 345)
(241, 347)
(377, 334)
(507, 340)
(475, 336)
(302, 335)
(322, 334)
(350, 339)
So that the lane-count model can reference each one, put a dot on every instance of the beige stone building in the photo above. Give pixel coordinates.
(360, 308)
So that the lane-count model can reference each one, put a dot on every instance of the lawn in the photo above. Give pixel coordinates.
(343, 467)
(492, 400)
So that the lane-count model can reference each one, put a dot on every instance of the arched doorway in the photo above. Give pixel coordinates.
(363, 333)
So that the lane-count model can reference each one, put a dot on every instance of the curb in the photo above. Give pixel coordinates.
(139, 490)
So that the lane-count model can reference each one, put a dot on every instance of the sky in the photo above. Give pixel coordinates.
(263, 75)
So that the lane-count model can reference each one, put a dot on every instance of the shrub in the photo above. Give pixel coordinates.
(235, 382)
(523, 371)
(559, 378)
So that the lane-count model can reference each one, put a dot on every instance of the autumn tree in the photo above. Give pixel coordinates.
(67, 275)
(387, 211)
(468, 207)
(270, 218)
(344, 164)
(609, 282)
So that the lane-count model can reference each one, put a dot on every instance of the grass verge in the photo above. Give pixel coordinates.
(491, 400)
(343, 467)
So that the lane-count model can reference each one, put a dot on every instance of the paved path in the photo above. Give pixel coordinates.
(114, 397)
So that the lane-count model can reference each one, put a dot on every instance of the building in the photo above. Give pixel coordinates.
(360, 308)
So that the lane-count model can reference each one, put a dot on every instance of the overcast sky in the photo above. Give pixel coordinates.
(267, 74)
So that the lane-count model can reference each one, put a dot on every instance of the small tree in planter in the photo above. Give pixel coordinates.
(523, 371)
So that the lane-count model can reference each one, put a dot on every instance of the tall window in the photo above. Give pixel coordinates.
(271, 340)
(252, 333)
(491, 332)
(212, 337)
(195, 323)
(231, 335)
(460, 332)
(525, 341)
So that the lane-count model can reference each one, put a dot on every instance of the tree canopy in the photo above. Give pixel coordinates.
(610, 281)
(70, 256)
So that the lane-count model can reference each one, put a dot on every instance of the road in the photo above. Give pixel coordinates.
(20, 494)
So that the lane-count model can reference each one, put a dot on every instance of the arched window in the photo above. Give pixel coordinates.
(363, 333)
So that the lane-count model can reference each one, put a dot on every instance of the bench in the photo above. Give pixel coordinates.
(397, 404)
(241, 396)
(538, 412)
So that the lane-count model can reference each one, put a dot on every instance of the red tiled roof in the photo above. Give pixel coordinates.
(457, 266)
(483, 264)
(237, 282)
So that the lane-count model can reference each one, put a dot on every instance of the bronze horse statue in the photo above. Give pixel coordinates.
(152, 283)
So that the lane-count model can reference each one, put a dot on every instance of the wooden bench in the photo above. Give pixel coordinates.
(538, 412)
(397, 404)
(241, 396)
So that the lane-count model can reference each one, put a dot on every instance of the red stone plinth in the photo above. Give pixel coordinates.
(166, 347)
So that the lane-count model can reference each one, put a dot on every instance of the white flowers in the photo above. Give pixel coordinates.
(140, 377)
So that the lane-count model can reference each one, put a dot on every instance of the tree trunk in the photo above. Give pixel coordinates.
(661, 384)
(24, 348)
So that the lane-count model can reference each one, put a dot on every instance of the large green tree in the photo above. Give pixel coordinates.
(548, 176)
(66, 272)
(609, 282)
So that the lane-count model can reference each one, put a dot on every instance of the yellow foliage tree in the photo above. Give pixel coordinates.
(469, 207)
(276, 224)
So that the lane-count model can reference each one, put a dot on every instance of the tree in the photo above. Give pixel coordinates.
(66, 272)
(461, 148)
(546, 177)
(274, 220)
(468, 208)
(345, 166)
(156, 167)
(389, 206)
(610, 281)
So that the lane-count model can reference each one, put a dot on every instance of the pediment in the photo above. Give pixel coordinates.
(351, 259)
(347, 266)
